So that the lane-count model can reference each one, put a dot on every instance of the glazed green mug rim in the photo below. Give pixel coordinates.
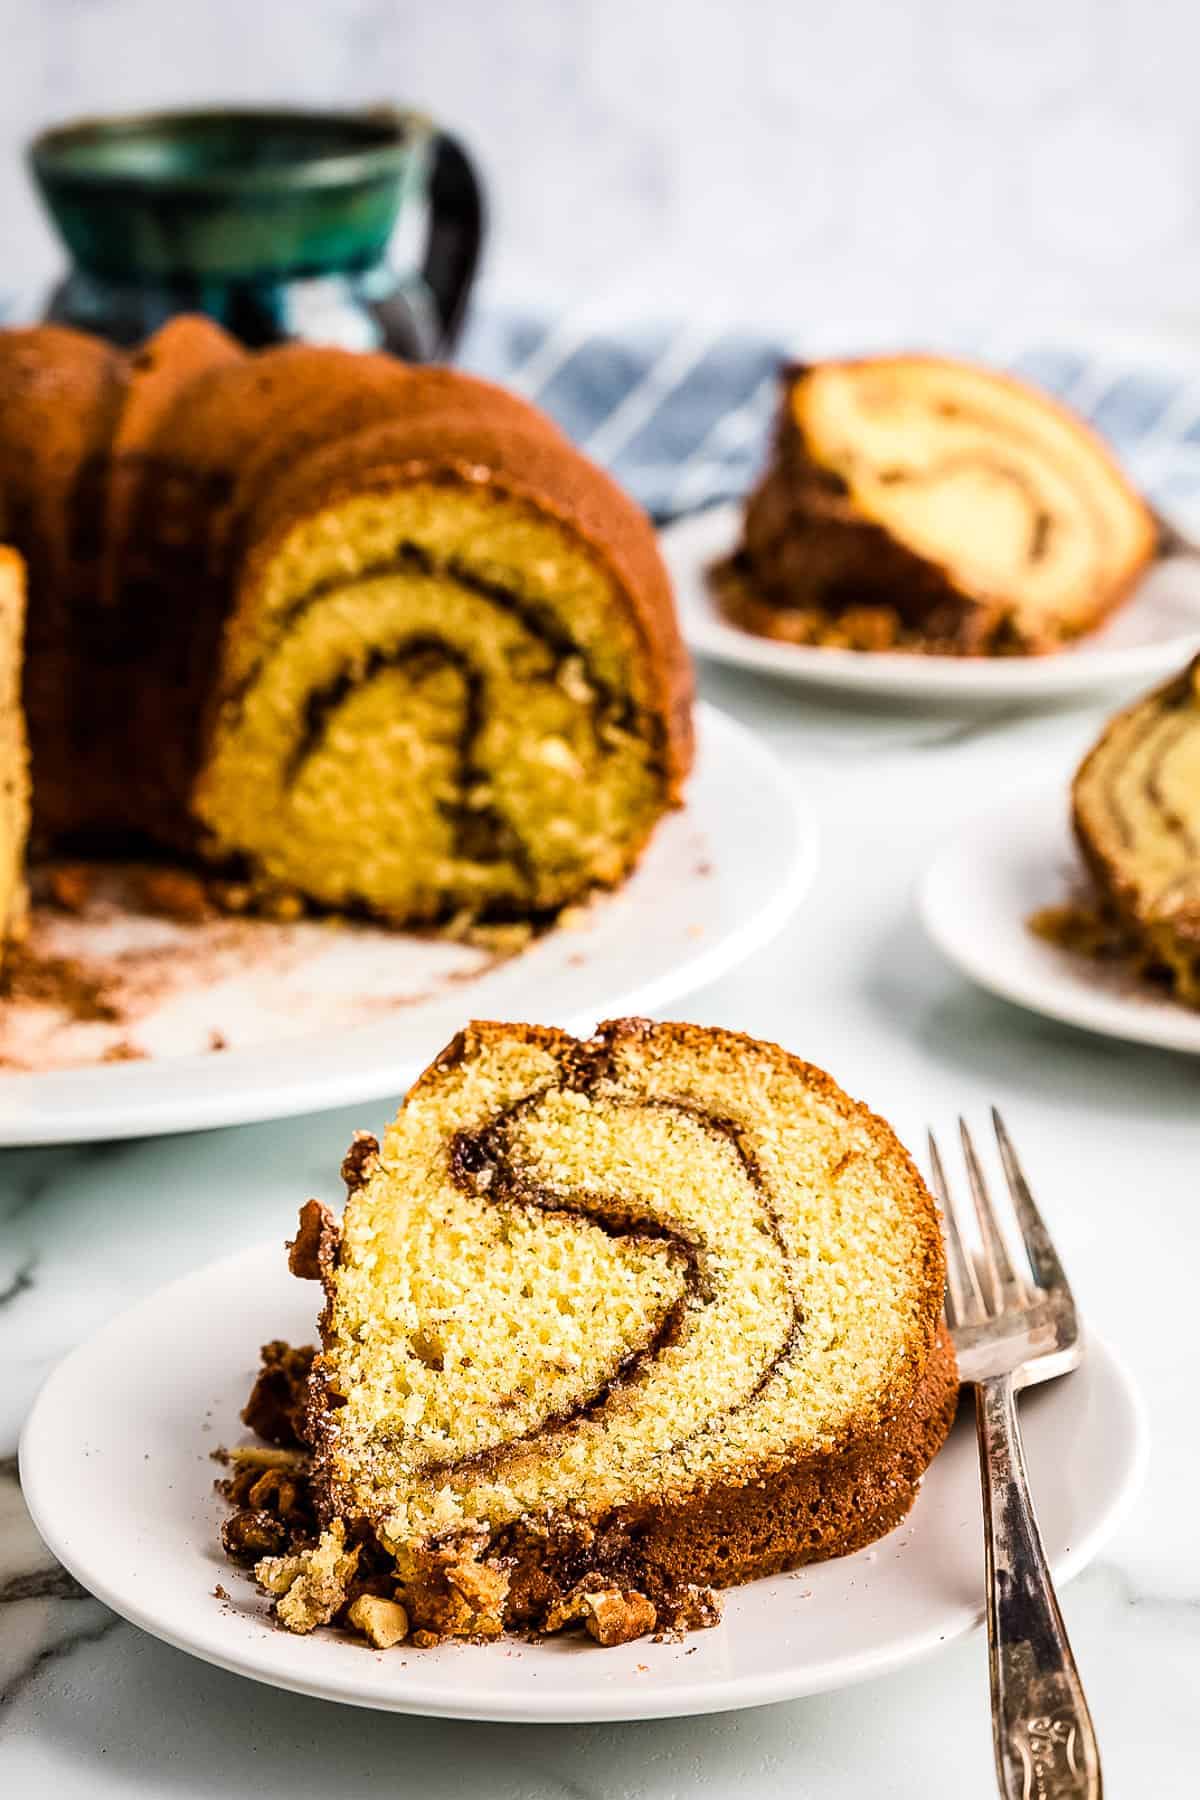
(55, 152)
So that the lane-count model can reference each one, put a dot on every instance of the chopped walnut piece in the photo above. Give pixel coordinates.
(276, 1492)
(609, 1614)
(313, 1584)
(176, 894)
(360, 1160)
(616, 1618)
(254, 1456)
(277, 1573)
(252, 1533)
(285, 907)
(275, 1409)
(71, 886)
(313, 1251)
(384, 1622)
(691, 1609)
(452, 1591)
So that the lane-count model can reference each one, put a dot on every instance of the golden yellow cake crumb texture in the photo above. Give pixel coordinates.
(462, 1326)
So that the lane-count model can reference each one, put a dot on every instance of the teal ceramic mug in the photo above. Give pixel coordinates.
(277, 223)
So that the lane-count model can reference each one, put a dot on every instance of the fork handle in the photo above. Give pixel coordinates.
(1045, 1744)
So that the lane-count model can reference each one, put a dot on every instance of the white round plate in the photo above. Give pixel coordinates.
(977, 896)
(1152, 635)
(116, 1471)
(316, 1018)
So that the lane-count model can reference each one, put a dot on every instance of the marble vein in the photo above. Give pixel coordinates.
(20, 1281)
(28, 1672)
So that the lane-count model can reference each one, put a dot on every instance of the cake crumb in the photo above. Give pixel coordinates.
(1078, 926)
(613, 1617)
(312, 1585)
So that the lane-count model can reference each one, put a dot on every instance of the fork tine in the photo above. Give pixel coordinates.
(964, 1302)
(997, 1262)
(1043, 1258)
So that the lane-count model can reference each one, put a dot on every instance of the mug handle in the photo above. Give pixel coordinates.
(456, 227)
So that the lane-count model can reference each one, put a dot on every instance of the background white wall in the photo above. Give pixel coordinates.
(790, 159)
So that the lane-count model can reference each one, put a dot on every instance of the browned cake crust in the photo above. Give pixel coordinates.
(136, 486)
(811, 1509)
(60, 396)
(813, 568)
(773, 1515)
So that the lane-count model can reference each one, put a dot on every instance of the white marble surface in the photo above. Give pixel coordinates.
(1111, 1134)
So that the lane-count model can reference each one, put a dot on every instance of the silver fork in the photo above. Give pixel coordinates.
(1010, 1331)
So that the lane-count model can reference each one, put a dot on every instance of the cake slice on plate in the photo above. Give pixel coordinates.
(607, 1324)
(1136, 802)
(921, 503)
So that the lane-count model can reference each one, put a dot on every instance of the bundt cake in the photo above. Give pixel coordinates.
(373, 636)
(14, 762)
(606, 1324)
(919, 503)
(1136, 803)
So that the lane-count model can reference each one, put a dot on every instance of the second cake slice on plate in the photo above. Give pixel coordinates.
(925, 504)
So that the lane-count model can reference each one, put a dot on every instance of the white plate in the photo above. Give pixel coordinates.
(975, 900)
(116, 1472)
(319, 1018)
(1153, 634)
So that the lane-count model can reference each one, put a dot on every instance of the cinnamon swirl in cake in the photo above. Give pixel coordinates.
(920, 503)
(606, 1325)
(1136, 806)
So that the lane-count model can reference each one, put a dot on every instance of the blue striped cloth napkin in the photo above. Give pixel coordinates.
(682, 415)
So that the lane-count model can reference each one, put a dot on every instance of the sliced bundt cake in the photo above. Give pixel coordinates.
(373, 636)
(1136, 801)
(607, 1323)
(14, 760)
(914, 502)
